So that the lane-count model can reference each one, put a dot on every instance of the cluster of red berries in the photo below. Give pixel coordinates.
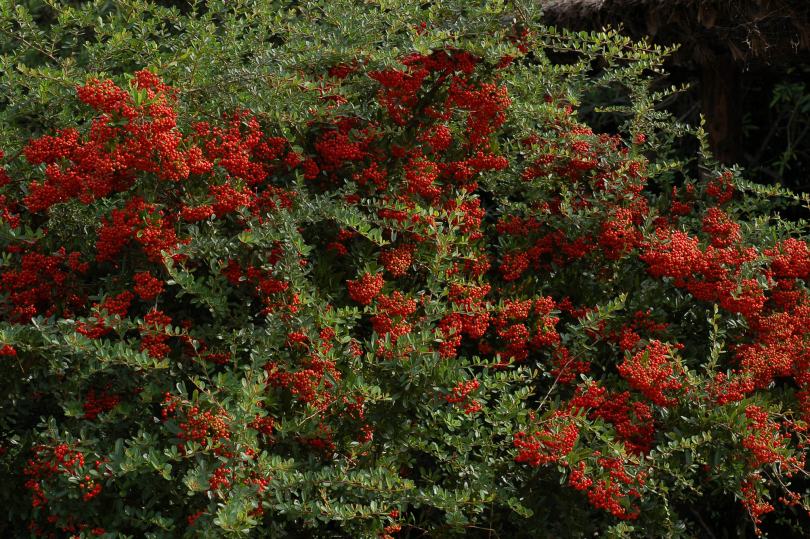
(549, 445)
(147, 286)
(153, 333)
(58, 469)
(391, 317)
(632, 420)
(655, 373)
(366, 288)
(615, 495)
(460, 394)
(397, 260)
(99, 402)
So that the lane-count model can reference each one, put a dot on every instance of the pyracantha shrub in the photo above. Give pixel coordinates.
(436, 304)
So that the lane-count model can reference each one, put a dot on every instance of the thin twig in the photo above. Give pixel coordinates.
(30, 45)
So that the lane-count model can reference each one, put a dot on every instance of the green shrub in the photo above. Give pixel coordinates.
(343, 268)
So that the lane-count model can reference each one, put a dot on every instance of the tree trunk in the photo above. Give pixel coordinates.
(720, 104)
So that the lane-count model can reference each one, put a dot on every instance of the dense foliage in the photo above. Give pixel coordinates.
(357, 269)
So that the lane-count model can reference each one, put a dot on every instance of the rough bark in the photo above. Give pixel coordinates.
(720, 105)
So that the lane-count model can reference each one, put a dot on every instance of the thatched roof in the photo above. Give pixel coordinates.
(747, 29)
(589, 7)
